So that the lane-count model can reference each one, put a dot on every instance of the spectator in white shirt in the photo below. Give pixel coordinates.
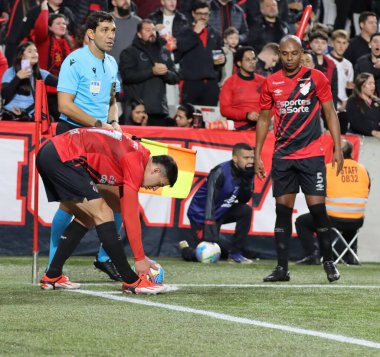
(340, 41)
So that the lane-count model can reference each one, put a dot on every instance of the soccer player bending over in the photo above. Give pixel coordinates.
(71, 165)
(296, 93)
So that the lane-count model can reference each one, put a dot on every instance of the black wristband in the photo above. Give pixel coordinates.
(113, 121)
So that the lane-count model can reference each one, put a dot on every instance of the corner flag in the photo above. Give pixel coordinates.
(185, 159)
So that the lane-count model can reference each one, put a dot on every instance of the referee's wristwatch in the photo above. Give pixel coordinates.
(98, 124)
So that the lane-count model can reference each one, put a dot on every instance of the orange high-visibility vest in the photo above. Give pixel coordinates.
(347, 193)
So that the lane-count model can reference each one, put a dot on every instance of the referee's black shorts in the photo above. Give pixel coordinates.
(288, 175)
(64, 181)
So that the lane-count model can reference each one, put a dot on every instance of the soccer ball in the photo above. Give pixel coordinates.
(158, 275)
(207, 252)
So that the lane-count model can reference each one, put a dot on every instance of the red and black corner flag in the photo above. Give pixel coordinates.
(41, 109)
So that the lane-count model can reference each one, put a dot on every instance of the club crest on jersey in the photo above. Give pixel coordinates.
(95, 87)
(305, 88)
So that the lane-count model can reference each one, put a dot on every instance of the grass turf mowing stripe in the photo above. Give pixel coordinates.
(230, 318)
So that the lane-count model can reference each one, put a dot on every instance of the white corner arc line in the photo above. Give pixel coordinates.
(230, 318)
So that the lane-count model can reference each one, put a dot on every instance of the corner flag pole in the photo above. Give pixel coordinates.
(42, 125)
(37, 138)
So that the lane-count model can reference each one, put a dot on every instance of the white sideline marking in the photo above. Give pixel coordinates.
(230, 318)
(268, 285)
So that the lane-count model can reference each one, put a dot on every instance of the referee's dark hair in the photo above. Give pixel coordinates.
(239, 54)
(170, 166)
(95, 18)
(241, 146)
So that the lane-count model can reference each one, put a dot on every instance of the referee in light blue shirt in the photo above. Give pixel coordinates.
(87, 88)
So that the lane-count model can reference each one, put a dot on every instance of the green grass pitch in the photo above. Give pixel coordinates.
(220, 309)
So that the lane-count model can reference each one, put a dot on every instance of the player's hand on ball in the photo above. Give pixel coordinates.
(152, 264)
(143, 267)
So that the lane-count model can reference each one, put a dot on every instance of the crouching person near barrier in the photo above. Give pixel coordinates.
(223, 199)
(71, 165)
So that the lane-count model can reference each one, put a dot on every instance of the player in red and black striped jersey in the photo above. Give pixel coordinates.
(297, 95)
(71, 165)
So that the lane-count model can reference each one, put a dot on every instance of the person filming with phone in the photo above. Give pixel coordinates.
(19, 83)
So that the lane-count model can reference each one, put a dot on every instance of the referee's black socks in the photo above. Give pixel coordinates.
(282, 233)
(323, 228)
(67, 244)
(114, 247)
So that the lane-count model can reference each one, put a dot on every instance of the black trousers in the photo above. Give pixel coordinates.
(306, 232)
(241, 213)
(343, 12)
(202, 92)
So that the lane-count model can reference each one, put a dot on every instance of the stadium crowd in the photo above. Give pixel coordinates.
(172, 52)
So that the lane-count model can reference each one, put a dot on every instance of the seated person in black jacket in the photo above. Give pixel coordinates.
(222, 198)
(363, 108)
(19, 83)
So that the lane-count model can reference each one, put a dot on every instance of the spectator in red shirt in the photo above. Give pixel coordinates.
(54, 44)
(240, 94)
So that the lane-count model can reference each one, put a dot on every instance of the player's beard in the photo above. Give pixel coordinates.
(123, 12)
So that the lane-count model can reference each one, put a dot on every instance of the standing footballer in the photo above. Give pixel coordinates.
(297, 94)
